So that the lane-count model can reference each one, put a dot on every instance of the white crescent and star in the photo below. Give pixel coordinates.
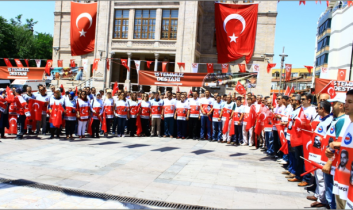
(329, 90)
(307, 145)
(233, 38)
(341, 73)
(280, 134)
(89, 17)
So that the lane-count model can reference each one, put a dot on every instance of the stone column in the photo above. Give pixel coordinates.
(127, 81)
(130, 33)
(156, 55)
(158, 30)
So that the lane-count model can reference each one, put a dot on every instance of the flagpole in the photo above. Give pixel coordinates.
(280, 76)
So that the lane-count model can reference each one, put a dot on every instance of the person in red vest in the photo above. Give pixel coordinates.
(83, 111)
(58, 100)
(134, 112)
(182, 116)
(156, 111)
(122, 113)
(20, 105)
(70, 115)
(145, 113)
(97, 106)
(108, 109)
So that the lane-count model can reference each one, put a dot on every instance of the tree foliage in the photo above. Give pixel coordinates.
(18, 40)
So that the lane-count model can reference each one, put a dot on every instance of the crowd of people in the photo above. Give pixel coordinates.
(218, 118)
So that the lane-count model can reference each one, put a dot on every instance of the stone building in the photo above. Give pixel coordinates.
(161, 31)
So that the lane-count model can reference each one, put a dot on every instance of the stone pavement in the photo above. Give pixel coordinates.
(179, 171)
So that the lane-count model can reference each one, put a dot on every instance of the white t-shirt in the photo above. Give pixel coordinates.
(169, 107)
(217, 108)
(194, 107)
(227, 108)
(145, 109)
(310, 113)
(280, 111)
(238, 110)
(182, 110)
(246, 110)
(206, 104)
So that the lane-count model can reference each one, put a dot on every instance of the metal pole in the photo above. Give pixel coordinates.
(280, 76)
(350, 67)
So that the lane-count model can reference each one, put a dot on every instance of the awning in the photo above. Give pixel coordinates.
(5, 81)
(27, 73)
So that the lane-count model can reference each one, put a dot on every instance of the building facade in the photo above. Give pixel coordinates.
(160, 31)
(334, 47)
(301, 79)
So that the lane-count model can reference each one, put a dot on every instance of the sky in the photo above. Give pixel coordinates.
(296, 26)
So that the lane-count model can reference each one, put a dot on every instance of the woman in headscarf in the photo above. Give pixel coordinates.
(55, 101)
(83, 112)
(70, 115)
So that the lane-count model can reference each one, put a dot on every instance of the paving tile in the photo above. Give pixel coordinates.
(71, 183)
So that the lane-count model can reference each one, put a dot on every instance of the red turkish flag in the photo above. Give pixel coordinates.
(181, 65)
(48, 66)
(26, 61)
(108, 64)
(235, 31)
(283, 140)
(309, 68)
(270, 66)
(62, 90)
(287, 92)
(306, 137)
(104, 123)
(149, 64)
(260, 121)
(225, 67)
(341, 74)
(242, 68)
(164, 66)
(18, 63)
(292, 90)
(83, 28)
(36, 109)
(60, 63)
(329, 89)
(72, 63)
(124, 63)
(251, 119)
(288, 68)
(300, 2)
(56, 115)
(349, 3)
(7, 62)
(115, 88)
(138, 123)
(95, 65)
(10, 95)
(210, 68)
(274, 101)
(12, 125)
(76, 91)
(240, 88)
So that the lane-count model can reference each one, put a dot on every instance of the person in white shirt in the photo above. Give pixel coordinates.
(122, 113)
(238, 116)
(168, 112)
(43, 96)
(156, 112)
(217, 119)
(206, 105)
(247, 135)
(70, 115)
(278, 112)
(227, 114)
(284, 121)
(134, 112)
(194, 120)
(97, 106)
(182, 116)
(145, 113)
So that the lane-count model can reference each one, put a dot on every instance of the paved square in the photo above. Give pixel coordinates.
(180, 171)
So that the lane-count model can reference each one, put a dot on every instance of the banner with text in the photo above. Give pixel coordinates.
(340, 86)
(32, 73)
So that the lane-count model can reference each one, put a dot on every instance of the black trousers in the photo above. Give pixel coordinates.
(145, 126)
(95, 128)
(21, 126)
(70, 126)
(238, 136)
(2, 132)
(132, 126)
(194, 127)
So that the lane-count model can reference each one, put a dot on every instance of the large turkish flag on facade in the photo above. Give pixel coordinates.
(235, 31)
(83, 27)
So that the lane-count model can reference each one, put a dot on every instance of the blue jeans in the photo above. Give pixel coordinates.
(269, 142)
(205, 121)
(291, 159)
(181, 128)
(328, 178)
(121, 125)
(217, 131)
(169, 126)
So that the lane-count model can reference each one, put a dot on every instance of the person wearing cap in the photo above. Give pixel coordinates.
(70, 115)
(43, 96)
(335, 131)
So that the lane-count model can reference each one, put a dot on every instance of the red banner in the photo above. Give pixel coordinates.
(340, 85)
(18, 63)
(21, 73)
(288, 71)
(171, 78)
(341, 74)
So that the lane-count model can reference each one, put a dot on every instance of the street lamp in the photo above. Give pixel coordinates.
(282, 62)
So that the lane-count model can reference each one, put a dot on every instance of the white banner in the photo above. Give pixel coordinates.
(85, 64)
(324, 72)
(38, 62)
(137, 64)
(194, 67)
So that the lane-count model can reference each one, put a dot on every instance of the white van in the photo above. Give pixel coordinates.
(23, 84)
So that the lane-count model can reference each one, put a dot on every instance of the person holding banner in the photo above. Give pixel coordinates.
(227, 114)
(217, 119)
(194, 120)
(56, 101)
(206, 105)
(70, 105)
(108, 109)
(182, 116)
(238, 115)
(97, 106)
(43, 96)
